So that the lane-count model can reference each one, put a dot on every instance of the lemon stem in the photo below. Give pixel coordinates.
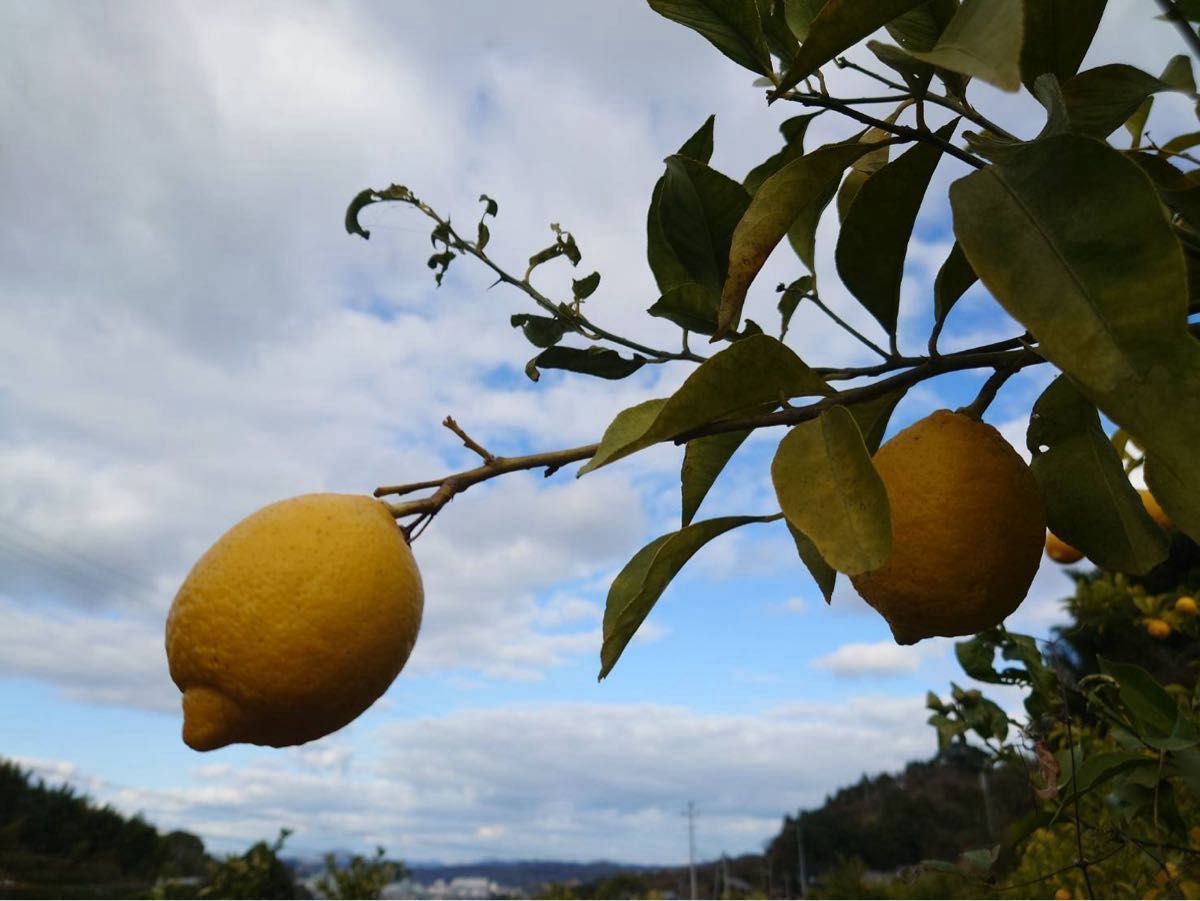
(976, 408)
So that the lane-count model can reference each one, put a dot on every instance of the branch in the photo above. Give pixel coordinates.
(576, 319)
(1180, 21)
(903, 131)
(849, 329)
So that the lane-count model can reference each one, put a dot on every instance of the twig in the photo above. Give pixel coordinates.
(816, 299)
(1180, 21)
(468, 441)
(903, 131)
(1080, 860)
(963, 109)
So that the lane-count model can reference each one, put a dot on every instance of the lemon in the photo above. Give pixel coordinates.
(294, 622)
(1061, 552)
(967, 529)
(1157, 628)
(1186, 606)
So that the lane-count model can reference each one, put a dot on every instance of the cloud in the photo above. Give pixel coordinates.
(545, 780)
(878, 659)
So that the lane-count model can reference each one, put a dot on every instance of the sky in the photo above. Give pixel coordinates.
(187, 333)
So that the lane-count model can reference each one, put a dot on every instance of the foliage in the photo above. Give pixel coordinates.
(361, 878)
(1088, 237)
(259, 873)
(53, 832)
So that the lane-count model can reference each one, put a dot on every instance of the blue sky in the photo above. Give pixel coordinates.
(187, 333)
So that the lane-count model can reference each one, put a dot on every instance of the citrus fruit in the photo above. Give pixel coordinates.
(294, 622)
(967, 529)
(1061, 552)
(1186, 606)
(1156, 512)
(1157, 628)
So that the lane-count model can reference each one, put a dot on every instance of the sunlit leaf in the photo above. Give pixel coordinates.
(756, 371)
(983, 40)
(640, 584)
(1065, 260)
(1090, 503)
(1057, 36)
(874, 238)
(1136, 124)
(732, 26)
(828, 488)
(772, 211)
(703, 460)
(838, 26)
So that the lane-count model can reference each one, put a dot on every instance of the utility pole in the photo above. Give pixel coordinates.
(800, 854)
(690, 813)
(724, 875)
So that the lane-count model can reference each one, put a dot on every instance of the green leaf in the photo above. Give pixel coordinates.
(1175, 189)
(1136, 124)
(828, 489)
(952, 282)
(703, 460)
(874, 238)
(873, 415)
(915, 73)
(1154, 710)
(1049, 93)
(1057, 36)
(1180, 143)
(823, 574)
(919, 28)
(793, 131)
(983, 40)
(542, 331)
(362, 199)
(772, 212)
(752, 373)
(699, 210)
(699, 146)
(799, 15)
(836, 28)
(789, 299)
(640, 584)
(732, 26)
(597, 361)
(583, 288)
(866, 166)
(1064, 232)
(1096, 769)
(1100, 100)
(1090, 503)
(490, 208)
(668, 271)
(780, 39)
(690, 306)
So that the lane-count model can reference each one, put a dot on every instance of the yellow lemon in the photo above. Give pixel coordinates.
(1061, 552)
(1186, 606)
(967, 529)
(294, 622)
(1157, 628)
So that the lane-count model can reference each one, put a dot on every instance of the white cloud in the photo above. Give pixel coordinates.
(878, 659)
(545, 780)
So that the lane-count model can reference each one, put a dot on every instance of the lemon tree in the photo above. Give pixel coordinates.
(1084, 227)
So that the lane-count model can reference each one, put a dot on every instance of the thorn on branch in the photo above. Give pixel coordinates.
(468, 441)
